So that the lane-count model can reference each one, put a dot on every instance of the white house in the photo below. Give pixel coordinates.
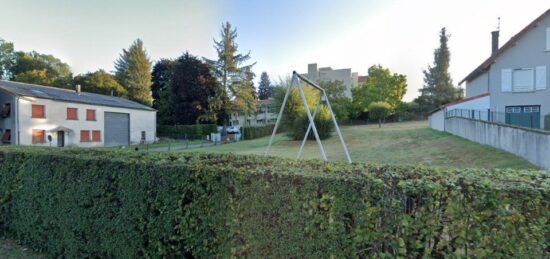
(513, 81)
(45, 116)
(516, 76)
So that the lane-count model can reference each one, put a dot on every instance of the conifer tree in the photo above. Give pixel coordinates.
(265, 89)
(230, 66)
(438, 86)
(133, 71)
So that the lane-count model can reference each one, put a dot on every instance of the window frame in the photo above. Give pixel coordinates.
(88, 113)
(94, 139)
(43, 111)
(42, 136)
(6, 106)
(75, 111)
(532, 75)
(87, 132)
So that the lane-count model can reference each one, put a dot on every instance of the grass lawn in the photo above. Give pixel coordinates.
(394, 143)
(9, 249)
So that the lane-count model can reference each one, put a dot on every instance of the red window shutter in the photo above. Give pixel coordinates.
(96, 136)
(90, 115)
(38, 136)
(84, 136)
(6, 138)
(38, 111)
(72, 114)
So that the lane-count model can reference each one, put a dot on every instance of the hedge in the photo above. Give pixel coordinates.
(254, 132)
(105, 204)
(196, 131)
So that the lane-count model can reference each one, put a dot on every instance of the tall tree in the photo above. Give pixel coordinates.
(7, 59)
(192, 87)
(265, 89)
(36, 68)
(438, 86)
(100, 82)
(133, 71)
(230, 65)
(339, 102)
(381, 86)
(161, 75)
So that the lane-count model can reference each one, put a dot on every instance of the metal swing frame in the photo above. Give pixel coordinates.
(322, 98)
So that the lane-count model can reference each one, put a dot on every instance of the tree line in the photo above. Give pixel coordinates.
(190, 89)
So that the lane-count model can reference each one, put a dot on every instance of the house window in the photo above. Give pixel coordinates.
(548, 39)
(6, 137)
(90, 115)
(513, 109)
(38, 136)
(38, 111)
(523, 80)
(6, 109)
(96, 136)
(72, 114)
(531, 109)
(84, 136)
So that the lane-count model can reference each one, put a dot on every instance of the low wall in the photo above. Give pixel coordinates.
(533, 145)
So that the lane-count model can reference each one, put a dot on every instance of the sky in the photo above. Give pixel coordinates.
(282, 35)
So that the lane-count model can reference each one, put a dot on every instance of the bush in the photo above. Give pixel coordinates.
(323, 123)
(196, 131)
(379, 111)
(254, 132)
(104, 204)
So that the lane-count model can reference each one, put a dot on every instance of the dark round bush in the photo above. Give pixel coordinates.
(323, 123)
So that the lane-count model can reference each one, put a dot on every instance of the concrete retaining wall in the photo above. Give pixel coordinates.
(533, 145)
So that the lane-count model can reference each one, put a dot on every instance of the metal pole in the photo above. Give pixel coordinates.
(279, 117)
(323, 155)
(308, 129)
(337, 128)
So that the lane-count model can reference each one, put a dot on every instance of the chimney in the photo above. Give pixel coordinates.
(77, 89)
(494, 43)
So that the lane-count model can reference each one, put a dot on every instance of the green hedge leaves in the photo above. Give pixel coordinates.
(89, 203)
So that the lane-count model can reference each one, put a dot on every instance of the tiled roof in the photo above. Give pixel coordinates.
(66, 95)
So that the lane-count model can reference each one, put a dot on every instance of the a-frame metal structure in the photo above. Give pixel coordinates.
(322, 98)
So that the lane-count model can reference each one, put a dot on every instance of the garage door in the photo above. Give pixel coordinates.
(117, 129)
(524, 116)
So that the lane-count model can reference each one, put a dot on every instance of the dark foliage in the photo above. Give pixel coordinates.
(105, 204)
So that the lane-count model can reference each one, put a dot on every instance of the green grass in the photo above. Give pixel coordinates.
(394, 143)
(9, 249)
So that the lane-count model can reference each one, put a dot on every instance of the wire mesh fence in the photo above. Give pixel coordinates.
(517, 116)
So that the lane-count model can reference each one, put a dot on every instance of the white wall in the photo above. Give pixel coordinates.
(532, 145)
(437, 120)
(482, 104)
(56, 115)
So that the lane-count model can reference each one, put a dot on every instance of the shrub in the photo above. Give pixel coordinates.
(379, 111)
(104, 204)
(254, 132)
(323, 123)
(196, 131)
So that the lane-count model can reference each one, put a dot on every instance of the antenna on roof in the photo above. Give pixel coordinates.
(498, 24)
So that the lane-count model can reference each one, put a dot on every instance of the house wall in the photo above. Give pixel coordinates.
(437, 120)
(529, 52)
(343, 75)
(532, 145)
(479, 85)
(328, 74)
(56, 115)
